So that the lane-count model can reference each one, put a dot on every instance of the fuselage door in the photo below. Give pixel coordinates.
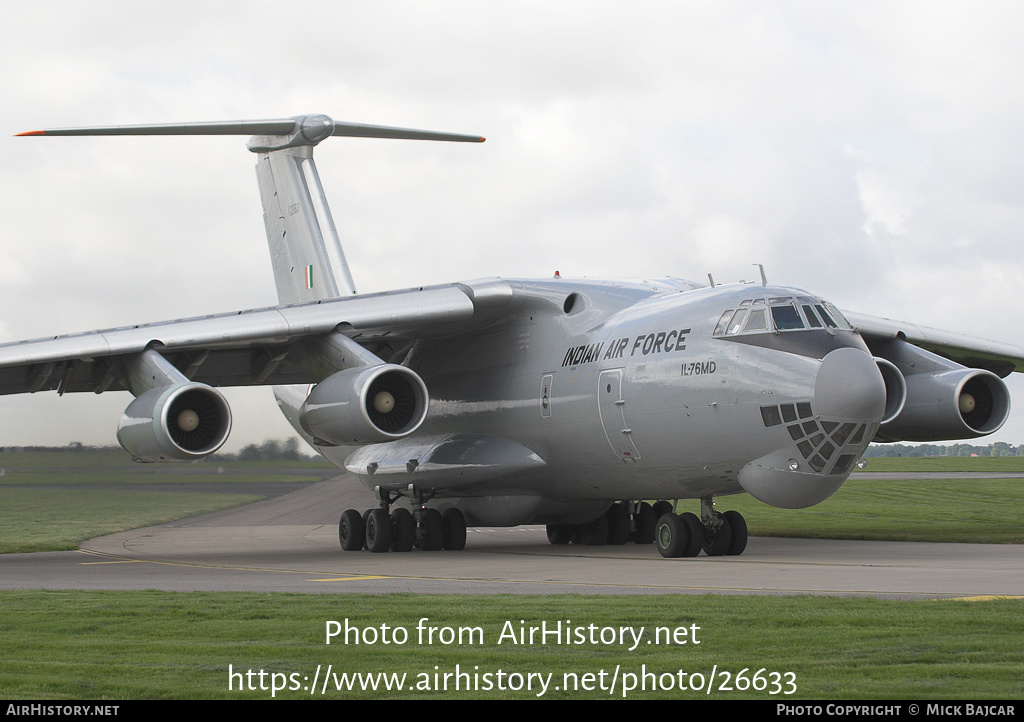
(612, 408)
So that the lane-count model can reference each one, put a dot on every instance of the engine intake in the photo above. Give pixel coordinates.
(959, 404)
(181, 422)
(365, 405)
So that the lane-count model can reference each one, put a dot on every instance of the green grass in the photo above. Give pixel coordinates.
(35, 520)
(51, 501)
(944, 464)
(131, 645)
(946, 510)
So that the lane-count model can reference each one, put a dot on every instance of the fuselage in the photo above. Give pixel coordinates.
(647, 391)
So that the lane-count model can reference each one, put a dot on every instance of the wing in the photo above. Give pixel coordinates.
(261, 346)
(1001, 359)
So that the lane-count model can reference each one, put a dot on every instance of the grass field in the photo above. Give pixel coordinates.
(133, 645)
(144, 645)
(51, 501)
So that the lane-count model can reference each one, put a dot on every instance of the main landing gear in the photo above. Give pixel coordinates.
(624, 522)
(402, 529)
(676, 535)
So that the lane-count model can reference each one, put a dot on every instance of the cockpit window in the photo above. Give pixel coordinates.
(737, 322)
(812, 318)
(787, 314)
(756, 322)
(825, 317)
(786, 317)
(834, 312)
(723, 323)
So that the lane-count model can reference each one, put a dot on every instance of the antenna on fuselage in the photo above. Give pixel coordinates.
(764, 281)
(712, 280)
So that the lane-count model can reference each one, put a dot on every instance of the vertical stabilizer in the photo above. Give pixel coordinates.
(305, 251)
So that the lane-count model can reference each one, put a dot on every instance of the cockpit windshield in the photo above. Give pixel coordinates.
(783, 314)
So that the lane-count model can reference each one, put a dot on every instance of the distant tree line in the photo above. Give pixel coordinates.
(291, 449)
(1000, 448)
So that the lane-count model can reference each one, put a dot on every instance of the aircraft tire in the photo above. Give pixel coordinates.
(351, 531)
(378, 530)
(716, 544)
(738, 527)
(560, 533)
(594, 533)
(671, 535)
(454, 529)
(432, 537)
(696, 534)
(645, 521)
(403, 530)
(661, 508)
(618, 524)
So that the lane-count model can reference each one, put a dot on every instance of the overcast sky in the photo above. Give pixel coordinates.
(867, 151)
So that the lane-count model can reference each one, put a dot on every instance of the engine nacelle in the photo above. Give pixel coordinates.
(895, 389)
(181, 422)
(365, 405)
(959, 404)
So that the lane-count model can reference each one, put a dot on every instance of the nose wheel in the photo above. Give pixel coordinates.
(718, 534)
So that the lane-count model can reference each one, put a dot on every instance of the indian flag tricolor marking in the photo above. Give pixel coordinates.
(309, 277)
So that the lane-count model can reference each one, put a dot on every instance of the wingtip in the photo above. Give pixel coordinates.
(31, 132)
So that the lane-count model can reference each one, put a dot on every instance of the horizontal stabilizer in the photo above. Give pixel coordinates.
(307, 129)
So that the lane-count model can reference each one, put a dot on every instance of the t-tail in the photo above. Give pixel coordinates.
(305, 250)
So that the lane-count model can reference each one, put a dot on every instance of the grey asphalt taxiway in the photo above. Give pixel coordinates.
(290, 544)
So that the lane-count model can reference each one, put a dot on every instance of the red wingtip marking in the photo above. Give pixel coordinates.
(481, 140)
(31, 132)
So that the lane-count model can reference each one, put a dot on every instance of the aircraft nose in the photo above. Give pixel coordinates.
(849, 385)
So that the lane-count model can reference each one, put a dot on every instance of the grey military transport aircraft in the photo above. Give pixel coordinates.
(503, 402)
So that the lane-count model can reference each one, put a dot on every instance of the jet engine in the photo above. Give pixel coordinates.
(180, 422)
(365, 405)
(895, 389)
(958, 404)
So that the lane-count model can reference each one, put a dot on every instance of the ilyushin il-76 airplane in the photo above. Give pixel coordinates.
(500, 402)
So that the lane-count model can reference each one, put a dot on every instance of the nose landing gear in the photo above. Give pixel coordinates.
(718, 534)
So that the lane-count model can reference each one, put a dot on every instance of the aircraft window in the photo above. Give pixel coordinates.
(859, 436)
(745, 302)
(756, 322)
(737, 321)
(796, 432)
(825, 317)
(810, 427)
(770, 415)
(805, 449)
(723, 323)
(843, 464)
(826, 450)
(788, 412)
(773, 301)
(843, 323)
(786, 317)
(758, 301)
(817, 463)
(804, 409)
(812, 320)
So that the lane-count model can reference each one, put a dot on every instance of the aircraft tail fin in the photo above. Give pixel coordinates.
(305, 250)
